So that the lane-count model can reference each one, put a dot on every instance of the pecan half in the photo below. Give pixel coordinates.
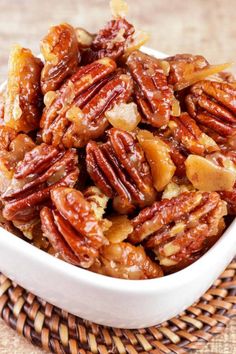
(61, 54)
(78, 112)
(110, 41)
(119, 168)
(183, 65)
(187, 240)
(154, 218)
(152, 93)
(7, 134)
(13, 148)
(187, 69)
(213, 105)
(185, 130)
(123, 260)
(23, 103)
(42, 169)
(72, 227)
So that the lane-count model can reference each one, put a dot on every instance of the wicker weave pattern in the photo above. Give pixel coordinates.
(59, 332)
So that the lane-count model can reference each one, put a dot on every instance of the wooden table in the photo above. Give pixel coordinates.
(194, 26)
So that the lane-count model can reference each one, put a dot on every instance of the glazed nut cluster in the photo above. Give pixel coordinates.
(114, 160)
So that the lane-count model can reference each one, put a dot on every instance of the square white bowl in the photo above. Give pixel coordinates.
(109, 301)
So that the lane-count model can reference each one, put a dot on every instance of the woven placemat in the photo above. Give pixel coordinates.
(57, 331)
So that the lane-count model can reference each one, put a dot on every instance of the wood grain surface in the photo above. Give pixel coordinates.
(195, 26)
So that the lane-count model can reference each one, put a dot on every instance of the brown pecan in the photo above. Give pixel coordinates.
(23, 106)
(161, 213)
(42, 169)
(213, 105)
(187, 69)
(185, 130)
(123, 260)
(7, 134)
(183, 65)
(152, 93)
(119, 168)
(61, 54)
(78, 112)
(13, 148)
(110, 41)
(191, 235)
(72, 227)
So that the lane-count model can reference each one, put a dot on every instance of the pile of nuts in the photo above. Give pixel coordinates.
(113, 160)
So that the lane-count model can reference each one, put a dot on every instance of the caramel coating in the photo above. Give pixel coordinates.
(213, 105)
(111, 41)
(77, 114)
(119, 168)
(60, 50)
(113, 160)
(178, 229)
(153, 95)
(42, 169)
(72, 227)
(23, 98)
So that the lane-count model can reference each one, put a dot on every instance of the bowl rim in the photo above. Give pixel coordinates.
(119, 285)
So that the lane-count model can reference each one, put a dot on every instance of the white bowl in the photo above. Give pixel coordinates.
(109, 301)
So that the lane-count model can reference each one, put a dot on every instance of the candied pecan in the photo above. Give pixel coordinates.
(12, 150)
(110, 41)
(23, 105)
(123, 260)
(154, 97)
(7, 134)
(185, 130)
(119, 168)
(182, 65)
(78, 112)
(213, 105)
(72, 227)
(61, 54)
(190, 235)
(160, 214)
(42, 169)
(187, 69)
